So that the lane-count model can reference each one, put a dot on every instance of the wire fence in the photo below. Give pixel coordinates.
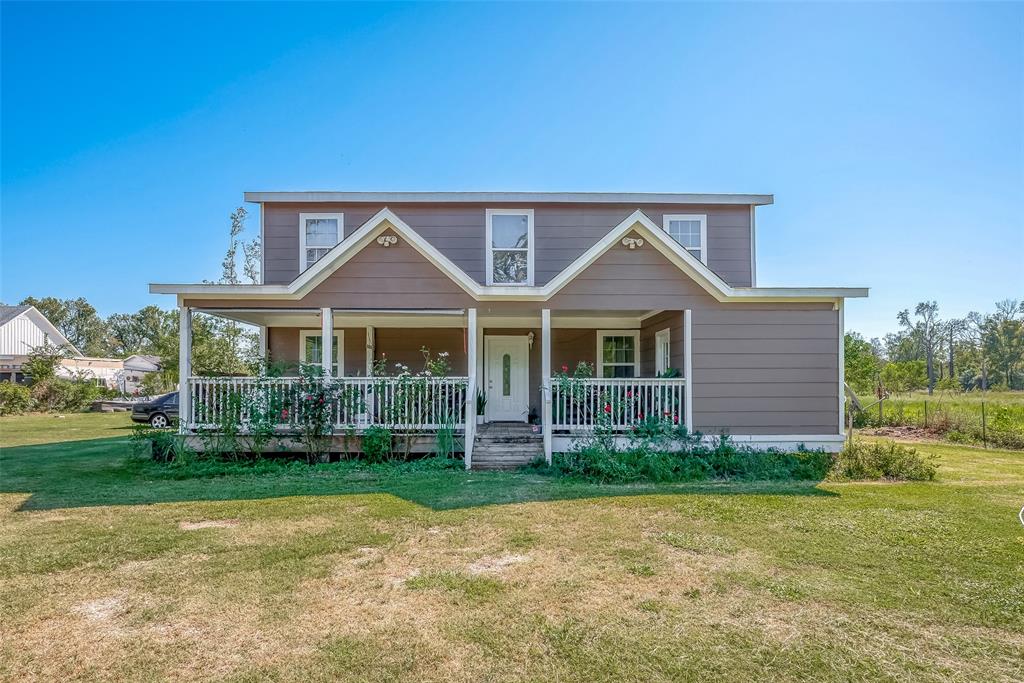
(996, 424)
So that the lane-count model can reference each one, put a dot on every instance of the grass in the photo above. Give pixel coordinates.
(111, 571)
(956, 416)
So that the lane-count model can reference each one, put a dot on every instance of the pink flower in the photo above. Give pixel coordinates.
(607, 407)
(676, 419)
(667, 413)
(629, 394)
(284, 414)
(640, 416)
(565, 368)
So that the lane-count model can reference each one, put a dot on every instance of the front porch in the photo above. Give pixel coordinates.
(510, 367)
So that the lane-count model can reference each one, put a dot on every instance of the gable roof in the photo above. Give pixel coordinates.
(386, 219)
(9, 314)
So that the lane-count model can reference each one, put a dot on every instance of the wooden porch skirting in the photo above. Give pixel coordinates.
(422, 443)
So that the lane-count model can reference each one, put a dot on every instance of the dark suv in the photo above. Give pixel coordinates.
(158, 412)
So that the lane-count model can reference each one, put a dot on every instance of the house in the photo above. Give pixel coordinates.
(657, 291)
(136, 367)
(22, 329)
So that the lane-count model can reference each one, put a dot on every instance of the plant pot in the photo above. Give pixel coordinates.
(479, 419)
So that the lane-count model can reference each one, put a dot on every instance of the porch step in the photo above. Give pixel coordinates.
(505, 446)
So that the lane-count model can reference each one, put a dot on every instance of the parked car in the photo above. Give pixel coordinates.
(159, 412)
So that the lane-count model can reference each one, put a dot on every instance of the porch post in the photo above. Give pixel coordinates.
(545, 373)
(184, 368)
(263, 347)
(469, 434)
(371, 350)
(688, 370)
(327, 337)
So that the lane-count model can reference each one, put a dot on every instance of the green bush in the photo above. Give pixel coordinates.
(691, 460)
(15, 399)
(377, 442)
(63, 395)
(162, 445)
(883, 460)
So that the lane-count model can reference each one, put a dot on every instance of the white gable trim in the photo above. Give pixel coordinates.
(386, 219)
(48, 329)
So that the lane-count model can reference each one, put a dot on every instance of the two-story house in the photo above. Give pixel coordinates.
(657, 292)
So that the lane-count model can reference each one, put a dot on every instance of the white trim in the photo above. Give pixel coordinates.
(512, 197)
(263, 344)
(371, 348)
(601, 334)
(184, 367)
(340, 334)
(386, 219)
(327, 349)
(702, 218)
(489, 215)
(753, 246)
(666, 362)
(303, 217)
(53, 335)
(688, 369)
(842, 365)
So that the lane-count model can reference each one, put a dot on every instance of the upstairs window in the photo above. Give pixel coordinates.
(691, 231)
(318, 233)
(510, 246)
(618, 353)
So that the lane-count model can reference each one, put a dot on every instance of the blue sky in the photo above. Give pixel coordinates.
(891, 135)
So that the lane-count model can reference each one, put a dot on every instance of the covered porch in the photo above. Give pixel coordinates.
(567, 372)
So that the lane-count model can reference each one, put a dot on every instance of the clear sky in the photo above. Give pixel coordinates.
(891, 135)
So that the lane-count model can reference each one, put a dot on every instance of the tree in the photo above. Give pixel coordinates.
(862, 363)
(1003, 338)
(251, 252)
(904, 376)
(925, 332)
(43, 361)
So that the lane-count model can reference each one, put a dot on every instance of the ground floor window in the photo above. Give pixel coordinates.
(311, 350)
(661, 351)
(618, 353)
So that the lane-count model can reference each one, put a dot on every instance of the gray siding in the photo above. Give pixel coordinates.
(562, 232)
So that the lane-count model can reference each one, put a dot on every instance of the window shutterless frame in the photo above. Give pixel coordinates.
(338, 348)
(530, 247)
(601, 334)
(700, 217)
(303, 217)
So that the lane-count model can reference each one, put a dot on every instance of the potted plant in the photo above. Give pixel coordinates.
(481, 406)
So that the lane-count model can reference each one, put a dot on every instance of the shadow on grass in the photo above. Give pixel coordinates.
(105, 472)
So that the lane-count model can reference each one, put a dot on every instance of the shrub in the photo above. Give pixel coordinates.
(377, 443)
(883, 460)
(62, 395)
(15, 399)
(162, 445)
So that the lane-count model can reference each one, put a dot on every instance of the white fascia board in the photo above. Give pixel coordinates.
(385, 219)
(44, 324)
(328, 197)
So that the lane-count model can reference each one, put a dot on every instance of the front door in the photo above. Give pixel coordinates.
(507, 378)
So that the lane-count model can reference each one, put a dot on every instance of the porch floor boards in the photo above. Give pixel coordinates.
(505, 446)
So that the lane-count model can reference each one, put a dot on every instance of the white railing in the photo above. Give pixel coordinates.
(413, 403)
(578, 405)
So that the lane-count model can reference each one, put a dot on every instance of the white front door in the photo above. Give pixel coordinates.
(507, 371)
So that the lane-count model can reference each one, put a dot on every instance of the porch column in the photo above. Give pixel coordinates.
(184, 368)
(471, 355)
(263, 348)
(327, 337)
(688, 370)
(545, 374)
(371, 349)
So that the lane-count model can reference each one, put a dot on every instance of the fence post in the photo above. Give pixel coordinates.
(984, 435)
(881, 423)
(926, 413)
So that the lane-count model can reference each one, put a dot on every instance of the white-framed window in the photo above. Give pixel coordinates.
(510, 247)
(618, 353)
(311, 350)
(691, 231)
(318, 233)
(662, 349)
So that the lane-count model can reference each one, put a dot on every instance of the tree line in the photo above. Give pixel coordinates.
(980, 351)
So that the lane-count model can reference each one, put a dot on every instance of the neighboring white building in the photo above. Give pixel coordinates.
(135, 368)
(23, 328)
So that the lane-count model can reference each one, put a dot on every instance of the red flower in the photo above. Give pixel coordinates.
(607, 407)
(565, 368)
(667, 413)
(284, 414)
(629, 394)
(676, 419)
(640, 416)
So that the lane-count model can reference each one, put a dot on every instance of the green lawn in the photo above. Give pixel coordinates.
(112, 569)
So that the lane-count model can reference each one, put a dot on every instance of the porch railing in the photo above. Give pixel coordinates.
(417, 404)
(615, 403)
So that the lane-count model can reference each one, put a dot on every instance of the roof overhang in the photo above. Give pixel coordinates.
(385, 219)
(632, 198)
